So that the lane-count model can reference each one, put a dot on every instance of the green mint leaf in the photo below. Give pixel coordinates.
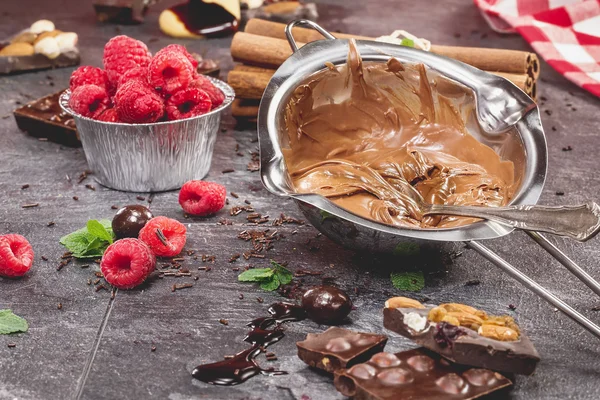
(283, 274)
(96, 229)
(407, 42)
(85, 244)
(407, 249)
(411, 281)
(256, 275)
(11, 323)
(271, 284)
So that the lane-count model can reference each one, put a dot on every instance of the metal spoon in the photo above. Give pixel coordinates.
(580, 222)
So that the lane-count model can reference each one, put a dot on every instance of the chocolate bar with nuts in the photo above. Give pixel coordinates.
(463, 334)
(43, 118)
(339, 348)
(35, 62)
(416, 374)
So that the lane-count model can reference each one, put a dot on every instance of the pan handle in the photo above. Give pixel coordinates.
(313, 25)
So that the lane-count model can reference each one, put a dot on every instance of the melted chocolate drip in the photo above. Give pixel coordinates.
(243, 366)
(207, 19)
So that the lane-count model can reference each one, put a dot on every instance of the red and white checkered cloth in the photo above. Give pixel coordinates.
(566, 33)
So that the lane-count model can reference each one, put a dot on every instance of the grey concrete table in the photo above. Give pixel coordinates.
(144, 343)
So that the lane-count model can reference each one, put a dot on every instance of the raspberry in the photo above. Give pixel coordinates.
(109, 115)
(139, 73)
(188, 103)
(122, 53)
(127, 263)
(181, 49)
(164, 236)
(136, 102)
(16, 255)
(87, 75)
(170, 71)
(216, 96)
(202, 198)
(89, 100)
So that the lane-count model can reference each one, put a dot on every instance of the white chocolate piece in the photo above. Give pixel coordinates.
(48, 46)
(66, 41)
(415, 321)
(170, 24)
(43, 25)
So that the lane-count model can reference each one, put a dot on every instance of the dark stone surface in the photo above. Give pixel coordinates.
(95, 347)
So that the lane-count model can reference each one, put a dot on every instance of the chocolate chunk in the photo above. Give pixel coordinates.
(44, 118)
(126, 12)
(339, 348)
(19, 64)
(416, 374)
(461, 344)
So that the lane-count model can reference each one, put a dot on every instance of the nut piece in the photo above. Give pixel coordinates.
(496, 332)
(402, 302)
(43, 35)
(48, 46)
(43, 25)
(17, 49)
(67, 41)
(452, 320)
(437, 314)
(24, 37)
(457, 307)
(468, 320)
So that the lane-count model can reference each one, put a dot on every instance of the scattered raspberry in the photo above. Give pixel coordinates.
(89, 100)
(188, 103)
(139, 73)
(170, 71)
(88, 75)
(16, 255)
(202, 198)
(123, 53)
(136, 102)
(109, 115)
(165, 236)
(216, 96)
(127, 263)
(181, 49)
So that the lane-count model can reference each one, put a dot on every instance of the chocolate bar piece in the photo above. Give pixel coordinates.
(19, 64)
(339, 348)
(126, 12)
(43, 118)
(462, 344)
(416, 374)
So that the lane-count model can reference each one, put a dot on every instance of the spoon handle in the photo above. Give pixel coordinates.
(580, 222)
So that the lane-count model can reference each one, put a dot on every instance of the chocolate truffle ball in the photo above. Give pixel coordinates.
(129, 220)
(326, 304)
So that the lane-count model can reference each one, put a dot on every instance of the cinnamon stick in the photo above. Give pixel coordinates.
(248, 85)
(504, 60)
(244, 108)
(250, 82)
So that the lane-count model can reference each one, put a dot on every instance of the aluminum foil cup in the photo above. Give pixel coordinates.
(150, 157)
